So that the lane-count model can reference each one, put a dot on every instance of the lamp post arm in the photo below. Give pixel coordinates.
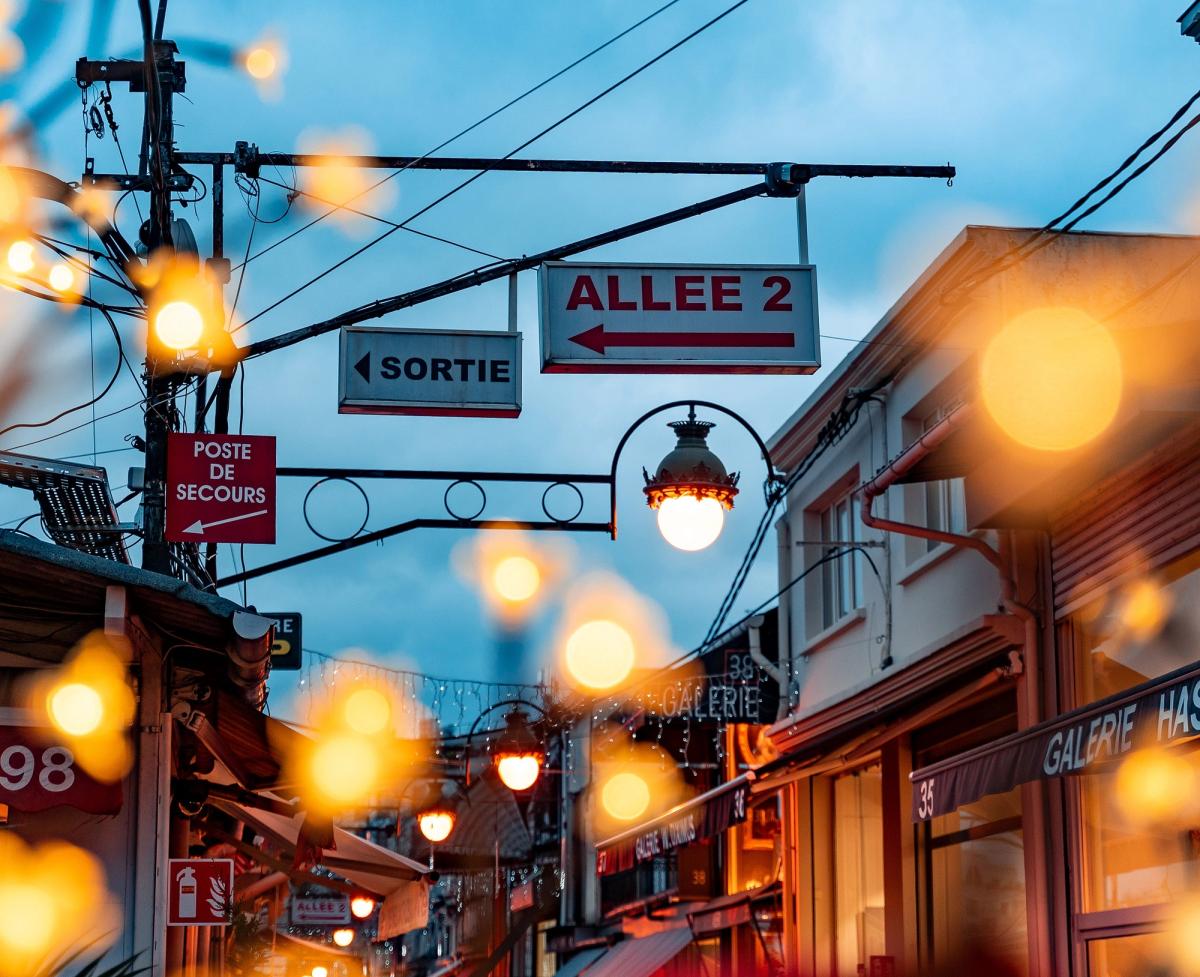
(490, 709)
(773, 477)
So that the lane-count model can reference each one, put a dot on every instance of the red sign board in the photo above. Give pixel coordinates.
(36, 775)
(199, 891)
(220, 488)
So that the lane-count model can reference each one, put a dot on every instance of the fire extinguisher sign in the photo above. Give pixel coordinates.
(199, 891)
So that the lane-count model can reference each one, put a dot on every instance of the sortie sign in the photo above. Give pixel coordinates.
(609, 318)
(220, 488)
(431, 372)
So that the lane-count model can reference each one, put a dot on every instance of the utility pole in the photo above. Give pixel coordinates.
(161, 84)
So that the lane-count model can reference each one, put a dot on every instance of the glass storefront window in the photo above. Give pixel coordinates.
(1144, 631)
(977, 884)
(1127, 956)
(858, 870)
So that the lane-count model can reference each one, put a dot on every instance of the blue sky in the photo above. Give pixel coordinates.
(1031, 101)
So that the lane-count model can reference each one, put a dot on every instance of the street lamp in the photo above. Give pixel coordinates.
(690, 488)
(518, 755)
(362, 906)
(343, 937)
(437, 823)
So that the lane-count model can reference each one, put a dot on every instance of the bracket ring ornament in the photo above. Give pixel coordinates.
(568, 519)
(348, 481)
(450, 509)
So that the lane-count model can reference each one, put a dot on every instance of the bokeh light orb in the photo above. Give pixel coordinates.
(179, 325)
(344, 768)
(343, 937)
(600, 654)
(261, 62)
(1052, 378)
(20, 257)
(76, 708)
(362, 906)
(368, 711)
(61, 278)
(689, 523)
(1155, 785)
(625, 796)
(516, 579)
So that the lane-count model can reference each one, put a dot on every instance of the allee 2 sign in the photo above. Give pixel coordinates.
(608, 318)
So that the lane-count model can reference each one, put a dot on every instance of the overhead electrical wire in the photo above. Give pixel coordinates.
(471, 128)
(513, 152)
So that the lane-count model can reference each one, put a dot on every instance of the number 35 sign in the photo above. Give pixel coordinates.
(36, 775)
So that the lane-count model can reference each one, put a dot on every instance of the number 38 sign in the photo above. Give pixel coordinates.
(36, 775)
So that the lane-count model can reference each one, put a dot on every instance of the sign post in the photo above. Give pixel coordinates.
(199, 891)
(220, 488)
(653, 318)
(430, 372)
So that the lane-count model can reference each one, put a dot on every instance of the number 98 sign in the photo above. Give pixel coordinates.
(36, 775)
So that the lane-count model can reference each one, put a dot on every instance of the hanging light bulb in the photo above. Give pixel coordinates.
(436, 824)
(362, 906)
(691, 489)
(343, 937)
(518, 755)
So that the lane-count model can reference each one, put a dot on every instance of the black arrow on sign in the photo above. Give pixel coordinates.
(363, 367)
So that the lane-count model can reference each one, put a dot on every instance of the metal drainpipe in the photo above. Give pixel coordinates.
(754, 633)
(885, 657)
(905, 462)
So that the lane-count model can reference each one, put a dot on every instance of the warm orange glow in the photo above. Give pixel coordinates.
(319, 971)
(1182, 949)
(179, 325)
(61, 277)
(1145, 609)
(261, 62)
(1155, 785)
(343, 937)
(20, 257)
(1052, 378)
(13, 198)
(368, 711)
(436, 825)
(516, 579)
(337, 181)
(345, 769)
(600, 654)
(89, 703)
(362, 906)
(689, 523)
(12, 52)
(52, 899)
(625, 795)
(518, 771)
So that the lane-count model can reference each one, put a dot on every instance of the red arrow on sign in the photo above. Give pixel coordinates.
(597, 340)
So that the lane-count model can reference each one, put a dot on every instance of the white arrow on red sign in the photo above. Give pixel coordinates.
(198, 526)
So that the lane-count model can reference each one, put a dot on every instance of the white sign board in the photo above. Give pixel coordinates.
(616, 318)
(452, 372)
(320, 910)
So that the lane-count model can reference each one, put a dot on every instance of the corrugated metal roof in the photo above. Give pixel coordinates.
(641, 957)
(580, 962)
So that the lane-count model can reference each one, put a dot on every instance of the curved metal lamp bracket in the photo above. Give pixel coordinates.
(772, 485)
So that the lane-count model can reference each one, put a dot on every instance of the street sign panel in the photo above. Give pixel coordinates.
(320, 910)
(220, 488)
(287, 650)
(431, 372)
(199, 891)
(654, 318)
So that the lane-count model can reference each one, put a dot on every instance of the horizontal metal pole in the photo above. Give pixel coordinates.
(499, 164)
(404, 527)
(429, 474)
(501, 269)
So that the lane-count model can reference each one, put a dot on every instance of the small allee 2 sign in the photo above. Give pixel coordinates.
(611, 318)
(220, 488)
(199, 891)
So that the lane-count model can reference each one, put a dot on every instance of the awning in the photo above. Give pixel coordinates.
(1160, 712)
(312, 948)
(726, 912)
(385, 874)
(248, 744)
(694, 820)
(580, 962)
(641, 957)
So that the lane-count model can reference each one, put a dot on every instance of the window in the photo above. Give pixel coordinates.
(976, 884)
(858, 870)
(841, 574)
(945, 500)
